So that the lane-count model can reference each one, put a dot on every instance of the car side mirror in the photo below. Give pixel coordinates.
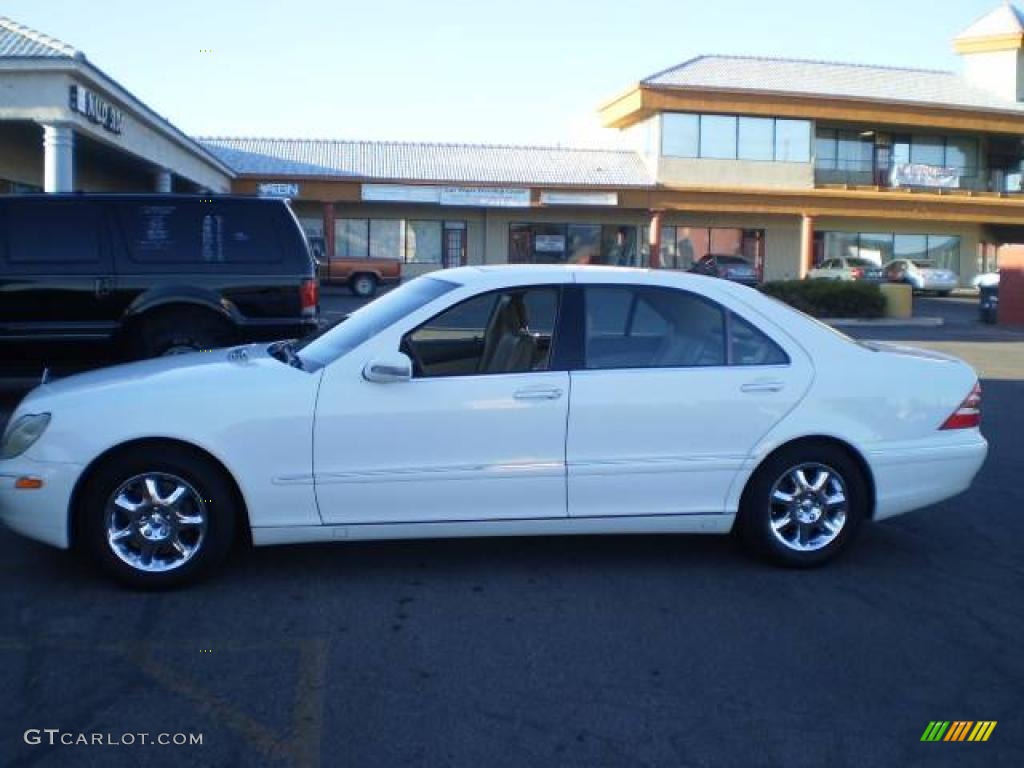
(388, 368)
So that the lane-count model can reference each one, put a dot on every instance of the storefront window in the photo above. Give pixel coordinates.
(351, 238)
(876, 247)
(943, 250)
(415, 242)
(544, 243)
(423, 242)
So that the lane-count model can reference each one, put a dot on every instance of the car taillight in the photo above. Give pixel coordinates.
(968, 414)
(309, 295)
(858, 273)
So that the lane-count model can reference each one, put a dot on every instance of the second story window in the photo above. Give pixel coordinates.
(729, 137)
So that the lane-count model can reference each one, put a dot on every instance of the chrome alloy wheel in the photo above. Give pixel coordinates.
(155, 522)
(808, 507)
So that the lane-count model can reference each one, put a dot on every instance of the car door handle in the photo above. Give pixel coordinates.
(538, 393)
(763, 385)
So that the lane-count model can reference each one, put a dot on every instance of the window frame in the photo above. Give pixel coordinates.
(737, 118)
(556, 355)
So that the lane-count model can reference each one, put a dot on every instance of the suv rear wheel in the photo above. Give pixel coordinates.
(363, 285)
(179, 331)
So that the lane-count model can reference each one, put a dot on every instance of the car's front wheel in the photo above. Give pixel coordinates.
(803, 505)
(157, 517)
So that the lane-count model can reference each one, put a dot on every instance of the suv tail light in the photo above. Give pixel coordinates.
(309, 295)
(968, 414)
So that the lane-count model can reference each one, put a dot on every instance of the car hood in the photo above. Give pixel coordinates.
(169, 370)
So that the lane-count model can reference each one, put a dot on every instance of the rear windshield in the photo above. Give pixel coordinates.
(187, 233)
(861, 263)
(369, 320)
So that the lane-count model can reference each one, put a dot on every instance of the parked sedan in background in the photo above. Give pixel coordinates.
(922, 275)
(498, 401)
(846, 269)
(735, 268)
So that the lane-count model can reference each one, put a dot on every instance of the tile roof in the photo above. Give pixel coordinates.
(17, 40)
(1004, 20)
(822, 78)
(411, 161)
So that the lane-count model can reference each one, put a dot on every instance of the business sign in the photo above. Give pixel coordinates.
(277, 189)
(95, 109)
(917, 175)
(549, 243)
(486, 197)
(579, 198)
(471, 197)
(401, 193)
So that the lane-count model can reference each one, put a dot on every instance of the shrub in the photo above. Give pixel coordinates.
(829, 298)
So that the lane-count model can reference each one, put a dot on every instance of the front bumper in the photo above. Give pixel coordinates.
(40, 513)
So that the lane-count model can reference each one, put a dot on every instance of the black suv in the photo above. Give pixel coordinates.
(155, 274)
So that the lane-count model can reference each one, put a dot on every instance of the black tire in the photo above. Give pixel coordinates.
(219, 509)
(178, 331)
(758, 512)
(363, 285)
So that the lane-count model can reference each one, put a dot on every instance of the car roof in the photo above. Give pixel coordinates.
(500, 275)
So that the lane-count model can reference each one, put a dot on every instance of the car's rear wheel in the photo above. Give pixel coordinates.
(363, 285)
(157, 518)
(803, 505)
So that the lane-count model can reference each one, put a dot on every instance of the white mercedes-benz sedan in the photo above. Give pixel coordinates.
(486, 401)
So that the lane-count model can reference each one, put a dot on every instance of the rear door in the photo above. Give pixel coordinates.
(56, 275)
(673, 393)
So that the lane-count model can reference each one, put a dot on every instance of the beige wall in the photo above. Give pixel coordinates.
(735, 174)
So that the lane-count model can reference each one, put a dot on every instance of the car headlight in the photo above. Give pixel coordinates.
(20, 436)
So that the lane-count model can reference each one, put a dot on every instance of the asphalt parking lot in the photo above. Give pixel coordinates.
(615, 651)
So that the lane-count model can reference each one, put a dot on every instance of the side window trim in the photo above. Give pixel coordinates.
(730, 356)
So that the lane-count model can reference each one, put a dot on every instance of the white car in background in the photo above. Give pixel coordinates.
(498, 401)
(846, 269)
(922, 275)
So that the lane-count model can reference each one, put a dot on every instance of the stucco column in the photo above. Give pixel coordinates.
(654, 239)
(328, 231)
(58, 157)
(162, 180)
(806, 245)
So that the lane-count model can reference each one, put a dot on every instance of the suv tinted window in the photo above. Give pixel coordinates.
(663, 328)
(52, 236)
(189, 233)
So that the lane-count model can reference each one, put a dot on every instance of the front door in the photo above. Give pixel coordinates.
(674, 394)
(477, 434)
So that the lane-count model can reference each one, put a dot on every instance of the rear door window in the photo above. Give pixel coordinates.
(222, 235)
(53, 237)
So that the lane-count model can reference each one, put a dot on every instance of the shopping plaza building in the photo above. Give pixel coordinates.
(784, 161)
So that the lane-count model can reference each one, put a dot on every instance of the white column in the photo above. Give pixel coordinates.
(58, 158)
(163, 181)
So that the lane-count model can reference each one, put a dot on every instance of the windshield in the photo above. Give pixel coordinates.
(369, 320)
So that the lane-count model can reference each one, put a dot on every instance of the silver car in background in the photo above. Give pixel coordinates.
(922, 275)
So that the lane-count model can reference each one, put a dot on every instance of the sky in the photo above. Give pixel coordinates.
(520, 72)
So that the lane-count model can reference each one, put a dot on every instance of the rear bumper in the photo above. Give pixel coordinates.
(40, 514)
(914, 475)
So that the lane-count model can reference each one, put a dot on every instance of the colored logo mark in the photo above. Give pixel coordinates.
(958, 730)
